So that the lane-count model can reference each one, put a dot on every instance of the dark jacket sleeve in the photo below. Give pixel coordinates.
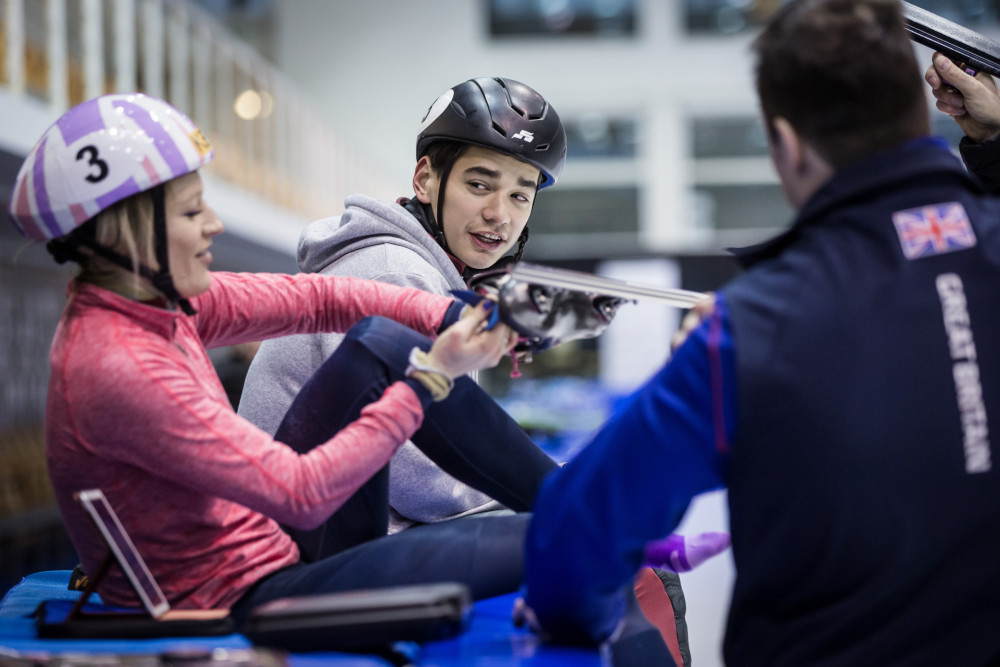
(983, 161)
(631, 485)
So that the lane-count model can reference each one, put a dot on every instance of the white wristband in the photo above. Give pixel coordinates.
(439, 384)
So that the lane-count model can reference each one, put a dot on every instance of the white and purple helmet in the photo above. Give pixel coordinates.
(99, 153)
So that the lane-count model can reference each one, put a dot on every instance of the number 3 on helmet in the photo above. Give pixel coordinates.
(97, 154)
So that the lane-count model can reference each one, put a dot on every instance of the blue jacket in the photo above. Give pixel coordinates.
(843, 394)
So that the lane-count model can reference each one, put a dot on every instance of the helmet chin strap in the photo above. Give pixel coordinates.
(438, 222)
(162, 280)
(67, 248)
(522, 240)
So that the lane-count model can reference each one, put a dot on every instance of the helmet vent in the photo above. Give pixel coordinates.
(459, 110)
(510, 100)
(538, 116)
(499, 129)
(542, 147)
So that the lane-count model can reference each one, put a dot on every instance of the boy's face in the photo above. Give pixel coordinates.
(487, 202)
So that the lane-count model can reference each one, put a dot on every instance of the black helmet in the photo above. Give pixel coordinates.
(503, 115)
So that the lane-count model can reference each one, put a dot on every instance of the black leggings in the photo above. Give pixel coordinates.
(468, 435)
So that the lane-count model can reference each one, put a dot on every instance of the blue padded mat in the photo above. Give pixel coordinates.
(491, 639)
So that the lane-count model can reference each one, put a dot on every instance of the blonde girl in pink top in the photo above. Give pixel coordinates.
(226, 515)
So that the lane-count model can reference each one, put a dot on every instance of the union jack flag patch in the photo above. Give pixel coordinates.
(933, 230)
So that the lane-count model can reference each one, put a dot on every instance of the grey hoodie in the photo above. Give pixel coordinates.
(377, 240)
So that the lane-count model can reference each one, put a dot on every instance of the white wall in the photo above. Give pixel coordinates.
(628, 358)
(374, 67)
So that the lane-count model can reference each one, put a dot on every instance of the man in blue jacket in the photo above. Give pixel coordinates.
(842, 388)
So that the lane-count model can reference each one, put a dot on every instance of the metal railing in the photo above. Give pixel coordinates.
(66, 51)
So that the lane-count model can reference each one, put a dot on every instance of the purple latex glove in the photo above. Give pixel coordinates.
(682, 554)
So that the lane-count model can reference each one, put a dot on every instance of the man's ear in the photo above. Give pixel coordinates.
(801, 169)
(788, 148)
(423, 177)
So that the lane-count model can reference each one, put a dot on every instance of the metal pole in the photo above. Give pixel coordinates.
(125, 79)
(14, 22)
(56, 54)
(179, 34)
(93, 48)
(152, 48)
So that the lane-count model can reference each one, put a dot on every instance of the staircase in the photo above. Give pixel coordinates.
(276, 164)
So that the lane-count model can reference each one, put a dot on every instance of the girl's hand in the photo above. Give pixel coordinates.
(468, 345)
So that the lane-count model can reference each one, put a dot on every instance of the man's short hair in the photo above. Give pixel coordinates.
(844, 74)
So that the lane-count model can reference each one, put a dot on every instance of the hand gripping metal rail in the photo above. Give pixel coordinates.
(967, 48)
(548, 306)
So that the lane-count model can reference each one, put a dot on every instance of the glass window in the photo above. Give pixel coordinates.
(728, 137)
(745, 207)
(592, 210)
(251, 20)
(744, 136)
(587, 18)
(600, 136)
(735, 16)
(727, 17)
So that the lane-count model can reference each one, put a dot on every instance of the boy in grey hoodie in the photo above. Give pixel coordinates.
(484, 150)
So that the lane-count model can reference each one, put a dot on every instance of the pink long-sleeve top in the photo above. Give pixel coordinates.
(135, 408)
